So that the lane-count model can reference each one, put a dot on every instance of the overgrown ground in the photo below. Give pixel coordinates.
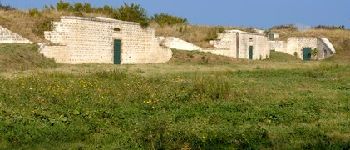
(197, 101)
(20, 57)
(272, 108)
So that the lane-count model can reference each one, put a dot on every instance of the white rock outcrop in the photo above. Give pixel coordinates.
(177, 43)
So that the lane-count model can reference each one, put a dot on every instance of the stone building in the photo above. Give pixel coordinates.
(305, 48)
(6, 36)
(239, 44)
(103, 40)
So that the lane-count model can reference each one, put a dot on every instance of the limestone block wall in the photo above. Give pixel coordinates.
(6, 36)
(225, 41)
(227, 45)
(91, 40)
(278, 46)
(176, 43)
(261, 49)
(295, 45)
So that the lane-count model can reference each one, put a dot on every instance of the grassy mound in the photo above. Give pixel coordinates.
(263, 109)
(196, 57)
(19, 57)
(282, 57)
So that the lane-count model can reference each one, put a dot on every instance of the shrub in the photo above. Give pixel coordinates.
(295, 54)
(42, 26)
(133, 13)
(213, 33)
(314, 52)
(165, 19)
(62, 6)
(34, 12)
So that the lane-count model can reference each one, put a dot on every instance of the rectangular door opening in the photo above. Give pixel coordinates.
(117, 51)
(251, 52)
(306, 53)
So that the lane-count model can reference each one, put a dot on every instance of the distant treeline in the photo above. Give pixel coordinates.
(329, 27)
(294, 27)
(127, 12)
(6, 7)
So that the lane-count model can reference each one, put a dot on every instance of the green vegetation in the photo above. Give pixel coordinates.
(196, 101)
(132, 13)
(283, 108)
(283, 57)
(17, 57)
(165, 19)
(200, 58)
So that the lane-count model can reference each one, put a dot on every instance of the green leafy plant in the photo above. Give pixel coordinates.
(133, 13)
(34, 12)
(165, 19)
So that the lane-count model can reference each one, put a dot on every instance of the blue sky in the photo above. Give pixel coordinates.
(252, 13)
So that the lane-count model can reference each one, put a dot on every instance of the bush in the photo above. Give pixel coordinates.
(42, 26)
(62, 6)
(34, 12)
(133, 13)
(165, 19)
(213, 33)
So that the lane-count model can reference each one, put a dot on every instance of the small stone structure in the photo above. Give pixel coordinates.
(6, 36)
(273, 36)
(176, 43)
(103, 40)
(318, 48)
(239, 44)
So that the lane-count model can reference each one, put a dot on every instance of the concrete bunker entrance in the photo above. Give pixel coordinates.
(307, 54)
(117, 51)
(251, 51)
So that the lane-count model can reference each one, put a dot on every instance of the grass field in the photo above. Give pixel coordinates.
(196, 101)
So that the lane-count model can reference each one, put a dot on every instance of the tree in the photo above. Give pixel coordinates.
(133, 13)
(62, 6)
(87, 8)
(166, 19)
(78, 7)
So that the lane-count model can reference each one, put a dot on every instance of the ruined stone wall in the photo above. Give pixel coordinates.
(6, 36)
(91, 40)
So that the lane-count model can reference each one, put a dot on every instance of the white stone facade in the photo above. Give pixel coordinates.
(91, 40)
(176, 43)
(236, 44)
(295, 45)
(6, 36)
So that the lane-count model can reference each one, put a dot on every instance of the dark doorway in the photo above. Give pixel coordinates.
(306, 53)
(251, 52)
(117, 51)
